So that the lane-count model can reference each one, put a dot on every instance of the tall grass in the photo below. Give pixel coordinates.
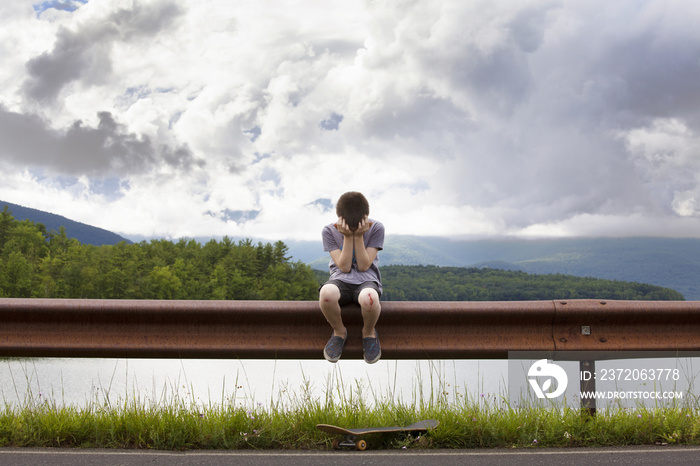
(177, 422)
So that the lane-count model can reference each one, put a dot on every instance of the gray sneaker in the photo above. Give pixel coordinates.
(334, 348)
(372, 350)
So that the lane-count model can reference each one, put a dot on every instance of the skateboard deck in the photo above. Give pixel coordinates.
(352, 436)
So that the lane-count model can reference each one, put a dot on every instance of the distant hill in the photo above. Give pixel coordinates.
(668, 262)
(86, 234)
(433, 283)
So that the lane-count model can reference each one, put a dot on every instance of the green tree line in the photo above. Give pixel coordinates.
(35, 263)
(431, 283)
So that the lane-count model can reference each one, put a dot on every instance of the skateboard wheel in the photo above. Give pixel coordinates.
(361, 445)
(336, 444)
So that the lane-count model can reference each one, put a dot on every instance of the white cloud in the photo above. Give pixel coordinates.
(614, 226)
(667, 156)
(455, 118)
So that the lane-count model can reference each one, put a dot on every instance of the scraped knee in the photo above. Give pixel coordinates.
(369, 298)
(329, 293)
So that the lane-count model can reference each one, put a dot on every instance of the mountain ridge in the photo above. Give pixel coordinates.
(86, 234)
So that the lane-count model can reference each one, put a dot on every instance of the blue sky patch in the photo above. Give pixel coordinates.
(238, 216)
(326, 205)
(63, 5)
(332, 123)
(253, 133)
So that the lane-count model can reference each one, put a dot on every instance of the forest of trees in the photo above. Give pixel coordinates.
(431, 283)
(35, 263)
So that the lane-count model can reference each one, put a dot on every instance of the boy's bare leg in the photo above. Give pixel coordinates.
(328, 300)
(369, 302)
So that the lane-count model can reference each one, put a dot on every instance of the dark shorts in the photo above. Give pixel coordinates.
(350, 293)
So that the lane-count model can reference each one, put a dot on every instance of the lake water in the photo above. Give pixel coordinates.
(265, 383)
(79, 382)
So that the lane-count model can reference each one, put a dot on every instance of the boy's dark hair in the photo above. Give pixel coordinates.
(352, 206)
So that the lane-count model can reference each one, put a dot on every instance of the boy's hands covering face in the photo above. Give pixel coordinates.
(363, 227)
(360, 230)
(343, 228)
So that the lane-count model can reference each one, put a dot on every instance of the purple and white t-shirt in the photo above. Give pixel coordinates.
(373, 238)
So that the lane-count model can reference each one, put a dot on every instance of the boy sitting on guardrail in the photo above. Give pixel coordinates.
(353, 243)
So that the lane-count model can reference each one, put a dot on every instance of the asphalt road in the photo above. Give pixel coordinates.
(541, 456)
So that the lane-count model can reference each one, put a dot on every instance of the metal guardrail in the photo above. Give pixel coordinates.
(297, 329)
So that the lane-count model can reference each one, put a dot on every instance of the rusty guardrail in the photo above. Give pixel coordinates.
(297, 329)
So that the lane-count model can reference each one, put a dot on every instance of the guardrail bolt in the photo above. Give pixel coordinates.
(585, 330)
(603, 340)
(563, 340)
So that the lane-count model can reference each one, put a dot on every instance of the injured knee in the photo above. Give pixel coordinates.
(368, 302)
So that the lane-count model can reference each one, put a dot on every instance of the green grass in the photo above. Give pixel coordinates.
(180, 424)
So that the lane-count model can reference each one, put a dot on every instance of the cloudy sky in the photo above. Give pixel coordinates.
(182, 118)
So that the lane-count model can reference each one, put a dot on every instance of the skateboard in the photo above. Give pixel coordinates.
(353, 436)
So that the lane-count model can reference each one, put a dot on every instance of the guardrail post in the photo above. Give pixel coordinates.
(587, 385)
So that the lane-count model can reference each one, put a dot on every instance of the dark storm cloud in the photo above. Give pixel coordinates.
(103, 150)
(625, 70)
(84, 54)
(476, 63)
(146, 19)
(540, 99)
(623, 67)
(73, 55)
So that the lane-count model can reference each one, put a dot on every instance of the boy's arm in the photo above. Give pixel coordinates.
(364, 256)
(343, 257)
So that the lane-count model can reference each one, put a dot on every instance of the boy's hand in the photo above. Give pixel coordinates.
(343, 228)
(363, 226)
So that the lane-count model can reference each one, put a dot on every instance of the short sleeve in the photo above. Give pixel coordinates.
(329, 240)
(376, 236)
